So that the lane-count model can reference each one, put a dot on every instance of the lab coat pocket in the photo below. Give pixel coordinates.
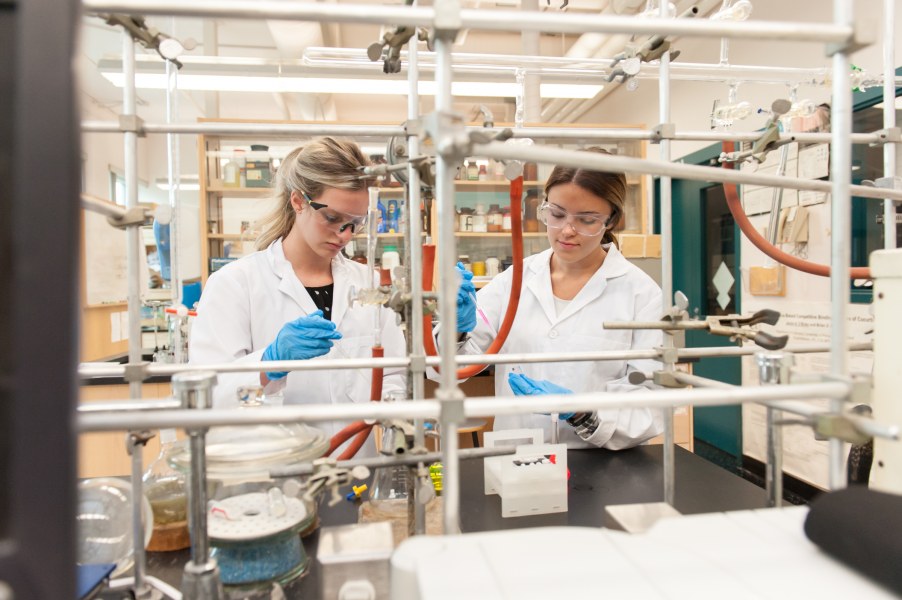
(352, 384)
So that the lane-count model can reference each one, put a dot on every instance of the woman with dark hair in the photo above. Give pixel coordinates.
(568, 291)
(290, 299)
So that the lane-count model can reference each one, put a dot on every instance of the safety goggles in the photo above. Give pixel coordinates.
(555, 217)
(334, 220)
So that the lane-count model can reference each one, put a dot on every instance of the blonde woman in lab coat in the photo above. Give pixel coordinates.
(567, 292)
(289, 300)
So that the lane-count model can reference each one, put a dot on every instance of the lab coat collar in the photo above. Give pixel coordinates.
(615, 265)
(292, 287)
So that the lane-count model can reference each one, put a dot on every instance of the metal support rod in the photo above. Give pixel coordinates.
(666, 261)
(133, 237)
(173, 175)
(840, 229)
(589, 160)
(136, 441)
(472, 407)
(387, 462)
(774, 369)
(582, 134)
(103, 207)
(201, 577)
(415, 381)
(889, 117)
(865, 425)
(482, 19)
(447, 257)
(89, 370)
(587, 66)
(777, 202)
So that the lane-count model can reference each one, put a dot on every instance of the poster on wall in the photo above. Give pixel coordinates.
(804, 457)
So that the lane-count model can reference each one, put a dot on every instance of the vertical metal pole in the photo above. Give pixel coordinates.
(415, 381)
(201, 576)
(840, 256)
(133, 249)
(447, 256)
(136, 442)
(529, 43)
(174, 176)
(774, 369)
(889, 117)
(666, 262)
(133, 237)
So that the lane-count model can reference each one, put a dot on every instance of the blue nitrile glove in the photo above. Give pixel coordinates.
(466, 301)
(526, 386)
(303, 338)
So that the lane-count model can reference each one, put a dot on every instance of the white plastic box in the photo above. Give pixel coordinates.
(533, 480)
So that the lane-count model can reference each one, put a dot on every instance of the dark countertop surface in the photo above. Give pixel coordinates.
(597, 478)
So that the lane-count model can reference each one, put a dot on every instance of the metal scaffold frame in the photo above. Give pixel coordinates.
(452, 144)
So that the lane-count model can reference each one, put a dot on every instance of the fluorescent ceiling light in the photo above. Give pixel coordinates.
(327, 85)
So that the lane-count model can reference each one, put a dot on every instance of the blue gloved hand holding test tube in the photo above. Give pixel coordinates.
(527, 386)
(305, 337)
(466, 301)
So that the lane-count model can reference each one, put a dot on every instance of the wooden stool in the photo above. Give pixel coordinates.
(473, 427)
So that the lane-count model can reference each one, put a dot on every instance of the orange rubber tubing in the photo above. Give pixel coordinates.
(793, 262)
(516, 198)
(358, 428)
(344, 435)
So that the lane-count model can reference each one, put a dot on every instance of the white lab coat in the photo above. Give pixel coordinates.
(618, 291)
(244, 306)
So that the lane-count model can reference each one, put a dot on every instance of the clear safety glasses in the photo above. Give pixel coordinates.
(555, 217)
(336, 221)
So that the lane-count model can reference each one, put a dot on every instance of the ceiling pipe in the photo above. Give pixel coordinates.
(615, 44)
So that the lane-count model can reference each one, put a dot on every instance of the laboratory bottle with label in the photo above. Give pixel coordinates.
(472, 171)
(480, 219)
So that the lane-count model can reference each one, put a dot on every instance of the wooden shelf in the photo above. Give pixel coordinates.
(243, 192)
(492, 191)
(231, 237)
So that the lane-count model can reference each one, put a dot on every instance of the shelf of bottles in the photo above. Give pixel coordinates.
(237, 176)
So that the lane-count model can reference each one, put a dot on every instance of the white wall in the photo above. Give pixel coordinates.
(103, 154)
(806, 306)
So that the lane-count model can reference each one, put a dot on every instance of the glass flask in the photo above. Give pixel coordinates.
(166, 490)
(388, 496)
(104, 521)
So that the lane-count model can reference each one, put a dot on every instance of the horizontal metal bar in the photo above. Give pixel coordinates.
(103, 207)
(662, 325)
(587, 134)
(93, 370)
(129, 406)
(400, 460)
(696, 381)
(483, 19)
(587, 160)
(473, 407)
(267, 129)
(865, 425)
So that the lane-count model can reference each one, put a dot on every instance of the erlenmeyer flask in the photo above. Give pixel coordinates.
(389, 493)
